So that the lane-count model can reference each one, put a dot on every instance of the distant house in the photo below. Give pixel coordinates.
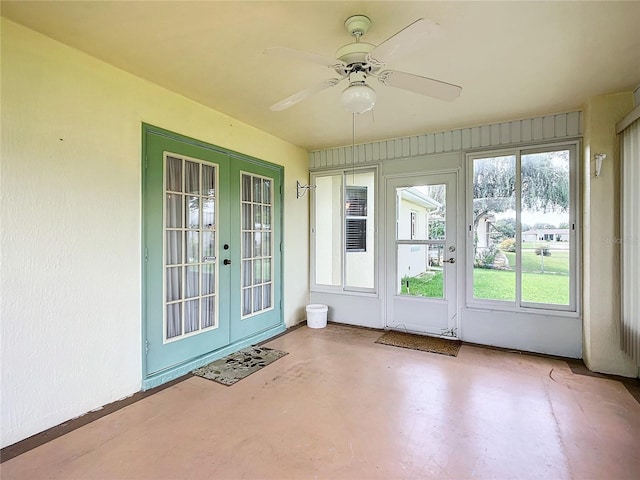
(546, 235)
(414, 217)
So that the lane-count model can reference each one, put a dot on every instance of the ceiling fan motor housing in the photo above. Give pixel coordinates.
(357, 25)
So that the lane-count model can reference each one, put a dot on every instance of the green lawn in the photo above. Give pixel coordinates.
(427, 285)
(558, 262)
(551, 287)
(536, 287)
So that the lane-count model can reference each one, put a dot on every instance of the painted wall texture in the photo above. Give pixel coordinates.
(71, 225)
(601, 248)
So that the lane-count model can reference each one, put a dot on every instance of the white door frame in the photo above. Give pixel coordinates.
(445, 319)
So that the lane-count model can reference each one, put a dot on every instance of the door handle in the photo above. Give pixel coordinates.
(451, 260)
(227, 261)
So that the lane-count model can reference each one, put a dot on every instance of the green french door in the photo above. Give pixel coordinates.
(212, 260)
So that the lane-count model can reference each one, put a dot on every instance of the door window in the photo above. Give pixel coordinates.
(190, 248)
(257, 244)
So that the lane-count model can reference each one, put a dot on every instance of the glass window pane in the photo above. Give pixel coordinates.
(208, 279)
(174, 247)
(421, 212)
(246, 188)
(208, 212)
(192, 212)
(266, 218)
(257, 244)
(247, 277)
(266, 244)
(246, 216)
(257, 272)
(246, 301)
(545, 246)
(173, 210)
(359, 231)
(257, 217)
(266, 192)
(208, 311)
(257, 190)
(420, 270)
(494, 204)
(257, 299)
(209, 180)
(174, 174)
(191, 316)
(192, 287)
(192, 240)
(266, 270)
(266, 296)
(174, 284)
(208, 244)
(192, 178)
(174, 320)
(247, 245)
(328, 230)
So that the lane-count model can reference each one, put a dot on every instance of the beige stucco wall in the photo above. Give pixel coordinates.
(601, 248)
(70, 301)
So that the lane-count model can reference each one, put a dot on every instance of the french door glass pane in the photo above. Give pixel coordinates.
(174, 210)
(256, 247)
(494, 220)
(190, 246)
(208, 311)
(191, 316)
(192, 178)
(174, 174)
(208, 279)
(192, 243)
(174, 320)
(173, 247)
(192, 285)
(192, 211)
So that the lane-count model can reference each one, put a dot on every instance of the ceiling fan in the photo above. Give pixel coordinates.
(359, 60)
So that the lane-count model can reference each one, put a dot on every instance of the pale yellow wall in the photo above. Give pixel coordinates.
(601, 222)
(70, 301)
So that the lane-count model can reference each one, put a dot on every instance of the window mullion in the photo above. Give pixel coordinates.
(518, 187)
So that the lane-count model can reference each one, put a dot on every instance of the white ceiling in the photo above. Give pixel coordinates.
(513, 59)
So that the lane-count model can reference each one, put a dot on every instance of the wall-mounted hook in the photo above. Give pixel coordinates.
(599, 158)
(302, 189)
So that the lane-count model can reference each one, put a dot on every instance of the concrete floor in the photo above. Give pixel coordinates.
(341, 406)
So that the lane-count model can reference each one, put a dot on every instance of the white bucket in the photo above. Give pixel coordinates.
(317, 315)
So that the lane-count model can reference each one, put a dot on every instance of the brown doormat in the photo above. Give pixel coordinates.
(421, 342)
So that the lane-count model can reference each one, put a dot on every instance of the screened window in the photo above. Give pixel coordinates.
(522, 226)
(356, 219)
(343, 230)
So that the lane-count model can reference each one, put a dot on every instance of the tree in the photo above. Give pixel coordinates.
(544, 183)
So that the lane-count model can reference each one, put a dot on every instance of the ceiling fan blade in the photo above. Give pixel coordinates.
(402, 43)
(298, 97)
(422, 85)
(286, 52)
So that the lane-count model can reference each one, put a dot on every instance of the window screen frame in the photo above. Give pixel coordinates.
(575, 257)
(372, 193)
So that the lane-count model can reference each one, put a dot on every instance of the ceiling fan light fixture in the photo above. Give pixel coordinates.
(358, 98)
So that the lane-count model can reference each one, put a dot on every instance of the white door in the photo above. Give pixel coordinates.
(421, 267)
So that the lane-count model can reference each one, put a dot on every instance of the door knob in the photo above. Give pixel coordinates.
(227, 261)
(451, 260)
